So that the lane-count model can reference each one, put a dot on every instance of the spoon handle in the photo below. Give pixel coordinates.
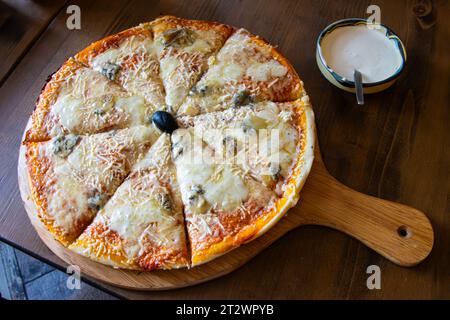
(359, 87)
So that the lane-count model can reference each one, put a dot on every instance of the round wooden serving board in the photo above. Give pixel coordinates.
(400, 233)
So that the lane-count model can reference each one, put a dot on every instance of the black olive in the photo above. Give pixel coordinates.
(164, 121)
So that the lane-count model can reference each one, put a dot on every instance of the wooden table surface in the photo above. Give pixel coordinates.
(397, 147)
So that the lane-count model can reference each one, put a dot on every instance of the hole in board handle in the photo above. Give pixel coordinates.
(404, 232)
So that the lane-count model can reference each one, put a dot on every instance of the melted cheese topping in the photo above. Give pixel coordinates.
(99, 163)
(222, 186)
(89, 103)
(182, 66)
(146, 209)
(143, 209)
(241, 64)
(128, 47)
(102, 160)
(240, 57)
(139, 215)
(68, 203)
(264, 137)
(138, 67)
(211, 191)
(265, 71)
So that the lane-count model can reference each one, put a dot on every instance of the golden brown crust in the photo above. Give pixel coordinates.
(103, 245)
(112, 41)
(41, 122)
(170, 22)
(41, 179)
(290, 91)
(160, 257)
(288, 88)
(138, 71)
(231, 233)
(257, 221)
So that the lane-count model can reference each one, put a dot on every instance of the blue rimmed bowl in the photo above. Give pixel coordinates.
(348, 85)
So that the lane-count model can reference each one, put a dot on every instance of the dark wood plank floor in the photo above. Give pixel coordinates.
(23, 277)
(396, 147)
(22, 24)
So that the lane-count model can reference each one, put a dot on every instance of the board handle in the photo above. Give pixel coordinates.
(400, 233)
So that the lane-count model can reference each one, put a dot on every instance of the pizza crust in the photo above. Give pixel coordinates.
(79, 100)
(183, 48)
(295, 182)
(113, 41)
(129, 58)
(70, 181)
(39, 130)
(245, 68)
(141, 226)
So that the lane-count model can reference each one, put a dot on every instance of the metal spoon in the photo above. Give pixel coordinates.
(359, 87)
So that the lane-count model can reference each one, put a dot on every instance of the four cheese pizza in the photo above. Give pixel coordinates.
(141, 226)
(128, 58)
(168, 144)
(184, 47)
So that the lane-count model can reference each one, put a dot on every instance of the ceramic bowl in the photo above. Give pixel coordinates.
(345, 84)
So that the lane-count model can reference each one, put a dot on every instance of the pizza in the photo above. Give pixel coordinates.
(72, 176)
(79, 100)
(237, 134)
(221, 201)
(142, 224)
(184, 47)
(128, 58)
(245, 70)
(168, 144)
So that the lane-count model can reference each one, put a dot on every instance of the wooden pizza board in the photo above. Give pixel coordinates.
(400, 233)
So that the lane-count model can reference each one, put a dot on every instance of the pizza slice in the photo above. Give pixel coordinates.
(184, 47)
(71, 177)
(141, 226)
(79, 101)
(129, 58)
(224, 207)
(246, 69)
(267, 139)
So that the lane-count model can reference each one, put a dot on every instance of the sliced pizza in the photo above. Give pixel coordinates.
(129, 58)
(107, 184)
(265, 139)
(141, 226)
(245, 70)
(184, 47)
(222, 204)
(72, 177)
(80, 101)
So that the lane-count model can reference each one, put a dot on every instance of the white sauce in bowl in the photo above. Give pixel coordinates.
(358, 47)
